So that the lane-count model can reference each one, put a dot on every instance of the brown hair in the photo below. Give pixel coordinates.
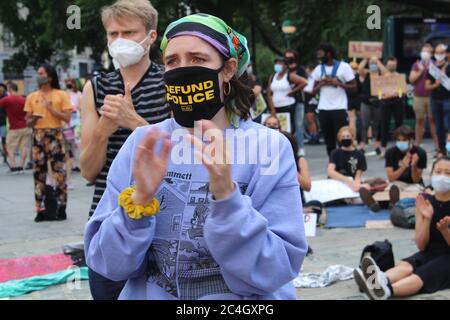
(141, 9)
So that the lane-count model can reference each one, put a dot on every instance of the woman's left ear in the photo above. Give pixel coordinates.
(229, 69)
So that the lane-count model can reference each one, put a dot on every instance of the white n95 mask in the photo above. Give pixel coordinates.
(126, 52)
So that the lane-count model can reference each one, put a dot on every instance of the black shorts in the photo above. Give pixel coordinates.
(310, 108)
(433, 267)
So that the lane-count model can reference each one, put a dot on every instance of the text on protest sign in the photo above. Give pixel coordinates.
(388, 84)
(365, 49)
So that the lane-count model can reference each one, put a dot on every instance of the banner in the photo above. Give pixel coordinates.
(437, 74)
(365, 49)
(388, 84)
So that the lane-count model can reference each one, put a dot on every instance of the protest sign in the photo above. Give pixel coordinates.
(388, 84)
(365, 49)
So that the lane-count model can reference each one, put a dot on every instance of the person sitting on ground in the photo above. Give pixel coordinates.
(428, 270)
(272, 122)
(405, 163)
(347, 164)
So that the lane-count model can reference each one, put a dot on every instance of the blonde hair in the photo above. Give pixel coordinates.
(141, 9)
(346, 128)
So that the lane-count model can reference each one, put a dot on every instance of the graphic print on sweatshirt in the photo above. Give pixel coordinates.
(178, 250)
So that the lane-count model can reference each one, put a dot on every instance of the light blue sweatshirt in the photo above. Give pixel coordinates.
(250, 245)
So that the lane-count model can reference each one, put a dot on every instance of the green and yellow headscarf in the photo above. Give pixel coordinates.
(216, 32)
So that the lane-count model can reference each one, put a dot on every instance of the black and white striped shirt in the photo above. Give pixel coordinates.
(149, 101)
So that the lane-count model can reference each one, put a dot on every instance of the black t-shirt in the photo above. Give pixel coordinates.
(441, 93)
(366, 94)
(300, 71)
(441, 209)
(394, 158)
(348, 162)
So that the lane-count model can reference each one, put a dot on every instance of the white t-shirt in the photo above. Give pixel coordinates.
(333, 98)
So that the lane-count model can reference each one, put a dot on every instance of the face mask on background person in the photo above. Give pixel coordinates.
(323, 59)
(402, 145)
(127, 52)
(425, 56)
(346, 142)
(193, 93)
(278, 68)
(440, 183)
(447, 147)
(42, 80)
(373, 67)
(440, 57)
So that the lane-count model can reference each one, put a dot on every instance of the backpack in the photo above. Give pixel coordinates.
(333, 73)
(403, 214)
(381, 252)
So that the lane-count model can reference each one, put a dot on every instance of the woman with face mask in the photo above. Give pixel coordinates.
(347, 164)
(428, 270)
(179, 219)
(422, 100)
(48, 108)
(282, 89)
(440, 96)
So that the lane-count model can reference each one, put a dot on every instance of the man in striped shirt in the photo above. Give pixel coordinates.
(116, 103)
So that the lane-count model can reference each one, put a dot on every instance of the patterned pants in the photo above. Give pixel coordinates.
(48, 147)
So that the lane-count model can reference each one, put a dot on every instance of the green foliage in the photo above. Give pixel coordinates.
(44, 33)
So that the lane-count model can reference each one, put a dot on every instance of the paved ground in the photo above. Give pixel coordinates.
(21, 236)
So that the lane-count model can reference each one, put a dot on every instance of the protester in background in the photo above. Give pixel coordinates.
(292, 60)
(255, 83)
(422, 100)
(311, 103)
(354, 99)
(19, 135)
(272, 122)
(114, 104)
(391, 104)
(282, 88)
(3, 93)
(347, 164)
(332, 78)
(428, 270)
(69, 130)
(47, 109)
(163, 257)
(371, 111)
(440, 97)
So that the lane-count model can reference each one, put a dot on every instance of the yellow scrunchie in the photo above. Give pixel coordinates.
(136, 212)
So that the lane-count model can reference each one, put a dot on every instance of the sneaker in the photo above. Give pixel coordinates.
(394, 196)
(20, 170)
(39, 217)
(13, 170)
(76, 169)
(376, 282)
(378, 151)
(367, 198)
(301, 153)
(360, 280)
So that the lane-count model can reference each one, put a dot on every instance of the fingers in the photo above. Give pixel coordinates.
(149, 140)
(165, 152)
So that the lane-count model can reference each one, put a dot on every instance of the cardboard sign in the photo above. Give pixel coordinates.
(284, 117)
(310, 224)
(437, 74)
(365, 49)
(329, 190)
(388, 84)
